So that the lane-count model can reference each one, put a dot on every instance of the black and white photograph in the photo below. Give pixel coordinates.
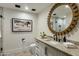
(21, 25)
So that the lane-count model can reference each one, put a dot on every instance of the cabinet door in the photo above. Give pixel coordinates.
(40, 50)
(51, 51)
(54, 52)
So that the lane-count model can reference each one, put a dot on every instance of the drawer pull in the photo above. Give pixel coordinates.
(46, 51)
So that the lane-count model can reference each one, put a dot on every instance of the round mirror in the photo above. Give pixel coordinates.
(63, 18)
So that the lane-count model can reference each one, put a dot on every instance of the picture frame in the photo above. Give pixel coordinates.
(21, 25)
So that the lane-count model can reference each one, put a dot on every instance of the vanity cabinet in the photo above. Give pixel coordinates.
(46, 50)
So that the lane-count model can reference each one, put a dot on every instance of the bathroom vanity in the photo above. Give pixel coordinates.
(53, 48)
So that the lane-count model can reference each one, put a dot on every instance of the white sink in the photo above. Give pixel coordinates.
(69, 45)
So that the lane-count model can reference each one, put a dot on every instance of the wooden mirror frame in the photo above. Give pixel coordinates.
(75, 18)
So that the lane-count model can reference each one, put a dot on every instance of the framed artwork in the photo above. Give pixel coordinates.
(21, 25)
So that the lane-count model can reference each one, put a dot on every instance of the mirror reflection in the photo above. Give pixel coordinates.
(61, 18)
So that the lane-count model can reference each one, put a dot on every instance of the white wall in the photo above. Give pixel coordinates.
(42, 22)
(12, 40)
(43, 27)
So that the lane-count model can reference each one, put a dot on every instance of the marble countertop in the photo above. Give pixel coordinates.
(61, 47)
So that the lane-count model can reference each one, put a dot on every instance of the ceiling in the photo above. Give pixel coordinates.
(38, 6)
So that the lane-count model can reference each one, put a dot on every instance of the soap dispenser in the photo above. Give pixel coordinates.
(56, 37)
(59, 38)
(64, 39)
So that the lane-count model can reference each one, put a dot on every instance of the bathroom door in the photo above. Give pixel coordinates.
(1, 10)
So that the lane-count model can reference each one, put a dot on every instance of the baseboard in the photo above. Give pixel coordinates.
(16, 50)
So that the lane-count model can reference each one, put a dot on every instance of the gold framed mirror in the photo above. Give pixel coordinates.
(62, 18)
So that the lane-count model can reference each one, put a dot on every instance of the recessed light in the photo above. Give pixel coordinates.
(67, 6)
(17, 6)
(33, 9)
(26, 8)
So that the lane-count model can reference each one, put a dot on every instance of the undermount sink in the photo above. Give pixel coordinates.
(69, 45)
(50, 41)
